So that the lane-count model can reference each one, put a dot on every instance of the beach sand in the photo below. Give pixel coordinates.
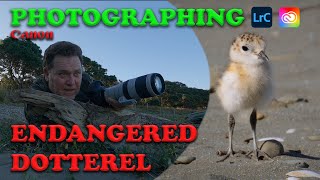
(295, 57)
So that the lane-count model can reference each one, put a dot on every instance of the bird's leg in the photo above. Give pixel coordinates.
(231, 127)
(253, 123)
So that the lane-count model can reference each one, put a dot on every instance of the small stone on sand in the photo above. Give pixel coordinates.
(272, 147)
(290, 131)
(260, 116)
(184, 160)
(303, 173)
(314, 138)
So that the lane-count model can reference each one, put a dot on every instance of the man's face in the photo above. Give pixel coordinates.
(64, 78)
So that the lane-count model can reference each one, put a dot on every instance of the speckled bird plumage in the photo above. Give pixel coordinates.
(246, 83)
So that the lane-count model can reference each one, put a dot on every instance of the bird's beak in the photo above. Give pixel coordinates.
(263, 56)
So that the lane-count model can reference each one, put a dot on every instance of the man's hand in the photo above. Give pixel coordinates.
(97, 95)
(114, 104)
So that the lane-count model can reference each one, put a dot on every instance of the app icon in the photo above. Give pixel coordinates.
(261, 17)
(289, 17)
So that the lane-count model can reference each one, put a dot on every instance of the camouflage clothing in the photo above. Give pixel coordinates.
(34, 114)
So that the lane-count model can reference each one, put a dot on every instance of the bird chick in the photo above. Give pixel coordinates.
(246, 83)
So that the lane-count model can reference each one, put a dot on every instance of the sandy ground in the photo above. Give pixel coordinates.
(295, 58)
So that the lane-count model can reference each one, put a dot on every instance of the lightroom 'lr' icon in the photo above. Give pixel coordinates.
(261, 17)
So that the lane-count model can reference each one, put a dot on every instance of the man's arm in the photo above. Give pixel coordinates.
(95, 91)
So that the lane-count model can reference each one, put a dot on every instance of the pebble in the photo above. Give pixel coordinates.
(290, 131)
(303, 173)
(314, 138)
(184, 160)
(260, 116)
(272, 147)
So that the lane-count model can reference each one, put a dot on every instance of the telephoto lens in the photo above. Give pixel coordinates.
(134, 89)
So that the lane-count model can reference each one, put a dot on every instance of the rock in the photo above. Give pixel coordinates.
(290, 131)
(260, 116)
(272, 147)
(303, 173)
(184, 160)
(314, 138)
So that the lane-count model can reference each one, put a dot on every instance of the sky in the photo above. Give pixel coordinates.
(174, 52)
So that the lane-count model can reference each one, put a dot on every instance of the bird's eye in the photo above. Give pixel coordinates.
(245, 48)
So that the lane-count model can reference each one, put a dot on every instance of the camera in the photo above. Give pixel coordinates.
(130, 91)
